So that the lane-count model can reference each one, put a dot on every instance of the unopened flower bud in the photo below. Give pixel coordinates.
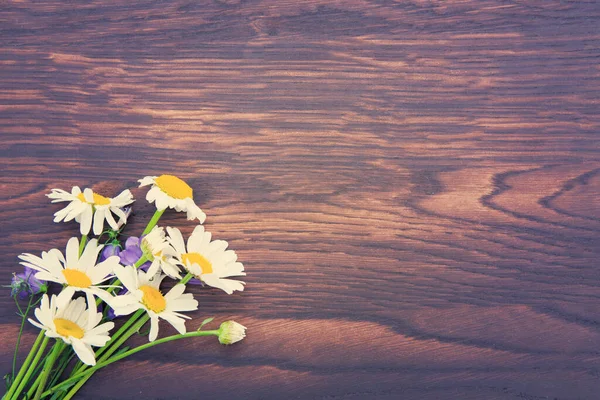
(25, 284)
(231, 332)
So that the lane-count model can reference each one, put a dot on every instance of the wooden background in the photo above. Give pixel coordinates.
(412, 185)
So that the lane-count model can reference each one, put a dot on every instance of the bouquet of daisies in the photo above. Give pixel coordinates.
(96, 283)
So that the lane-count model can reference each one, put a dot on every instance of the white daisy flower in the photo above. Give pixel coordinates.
(77, 274)
(170, 191)
(144, 294)
(208, 261)
(157, 249)
(89, 206)
(74, 324)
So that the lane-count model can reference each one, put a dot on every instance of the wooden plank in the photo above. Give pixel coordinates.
(412, 186)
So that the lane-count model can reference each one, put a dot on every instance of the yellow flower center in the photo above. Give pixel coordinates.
(196, 258)
(77, 278)
(98, 199)
(67, 328)
(174, 187)
(153, 299)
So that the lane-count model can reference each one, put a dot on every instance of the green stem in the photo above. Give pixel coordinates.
(28, 367)
(82, 244)
(128, 353)
(23, 317)
(141, 261)
(25, 366)
(33, 387)
(86, 374)
(47, 369)
(37, 373)
(79, 368)
(66, 359)
(186, 278)
(124, 333)
(153, 221)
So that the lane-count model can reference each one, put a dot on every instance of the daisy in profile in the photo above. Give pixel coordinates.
(77, 274)
(88, 207)
(157, 249)
(170, 191)
(208, 261)
(74, 324)
(144, 293)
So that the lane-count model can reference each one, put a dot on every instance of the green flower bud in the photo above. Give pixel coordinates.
(231, 332)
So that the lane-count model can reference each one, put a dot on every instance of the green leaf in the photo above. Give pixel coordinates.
(206, 321)
(121, 350)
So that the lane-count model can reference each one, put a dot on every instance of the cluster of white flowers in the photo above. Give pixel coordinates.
(76, 320)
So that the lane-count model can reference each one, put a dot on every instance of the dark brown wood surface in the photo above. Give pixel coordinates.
(413, 186)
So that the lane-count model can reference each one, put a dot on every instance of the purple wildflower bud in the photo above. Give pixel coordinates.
(25, 284)
(195, 281)
(108, 251)
(132, 253)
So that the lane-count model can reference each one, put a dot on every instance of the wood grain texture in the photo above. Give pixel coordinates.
(412, 185)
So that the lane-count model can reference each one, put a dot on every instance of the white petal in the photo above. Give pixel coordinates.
(100, 272)
(96, 340)
(178, 323)
(86, 220)
(36, 324)
(92, 308)
(153, 267)
(170, 269)
(100, 329)
(72, 253)
(45, 276)
(153, 328)
(74, 309)
(59, 195)
(61, 214)
(64, 296)
(152, 194)
(111, 220)
(99, 221)
(175, 292)
(162, 200)
(194, 212)
(176, 240)
(102, 294)
(124, 198)
(128, 276)
(128, 309)
(147, 180)
(88, 194)
(76, 210)
(184, 303)
(218, 246)
(54, 261)
(84, 352)
(227, 285)
(89, 255)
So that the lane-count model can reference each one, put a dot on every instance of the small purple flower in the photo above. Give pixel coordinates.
(25, 284)
(132, 253)
(195, 281)
(109, 250)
